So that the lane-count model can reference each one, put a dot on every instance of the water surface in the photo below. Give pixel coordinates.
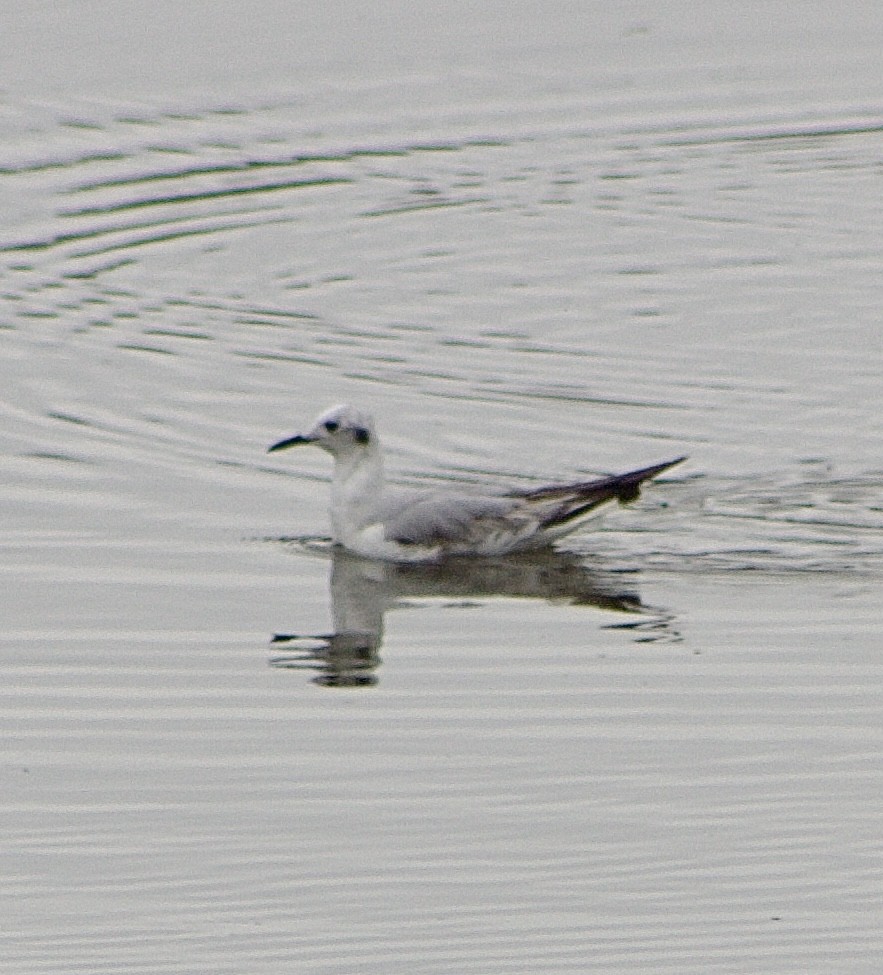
(538, 243)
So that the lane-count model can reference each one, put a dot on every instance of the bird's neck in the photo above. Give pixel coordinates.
(356, 490)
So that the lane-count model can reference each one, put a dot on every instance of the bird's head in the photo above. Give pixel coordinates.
(342, 431)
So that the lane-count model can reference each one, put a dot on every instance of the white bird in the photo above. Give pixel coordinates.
(381, 521)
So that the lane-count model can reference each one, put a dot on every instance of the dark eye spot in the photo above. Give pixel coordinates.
(361, 435)
(331, 425)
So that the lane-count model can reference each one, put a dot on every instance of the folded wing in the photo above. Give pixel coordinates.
(493, 525)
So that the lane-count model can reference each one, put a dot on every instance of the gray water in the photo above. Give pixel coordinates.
(539, 241)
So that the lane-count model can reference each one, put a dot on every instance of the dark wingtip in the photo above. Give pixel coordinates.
(628, 487)
(672, 463)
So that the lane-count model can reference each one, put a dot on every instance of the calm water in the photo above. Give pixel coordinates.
(538, 241)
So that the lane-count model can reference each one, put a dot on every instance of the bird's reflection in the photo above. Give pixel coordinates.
(362, 590)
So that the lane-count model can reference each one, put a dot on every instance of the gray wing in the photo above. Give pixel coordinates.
(501, 522)
(453, 519)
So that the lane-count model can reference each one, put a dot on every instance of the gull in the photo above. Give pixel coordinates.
(380, 521)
